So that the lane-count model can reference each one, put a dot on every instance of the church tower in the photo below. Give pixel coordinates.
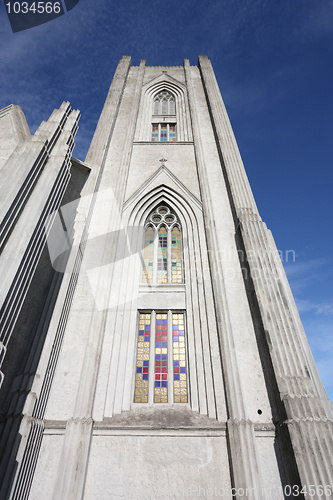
(168, 359)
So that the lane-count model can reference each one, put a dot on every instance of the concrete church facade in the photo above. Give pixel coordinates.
(151, 346)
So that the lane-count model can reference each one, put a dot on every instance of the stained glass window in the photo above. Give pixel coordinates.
(162, 256)
(164, 133)
(179, 359)
(148, 256)
(172, 133)
(176, 256)
(172, 106)
(154, 134)
(164, 104)
(159, 376)
(161, 359)
(142, 361)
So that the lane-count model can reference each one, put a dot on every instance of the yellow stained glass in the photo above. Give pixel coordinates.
(176, 256)
(148, 258)
(162, 256)
(142, 362)
(179, 363)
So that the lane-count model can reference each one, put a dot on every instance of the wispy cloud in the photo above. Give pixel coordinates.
(303, 274)
(324, 308)
(315, 305)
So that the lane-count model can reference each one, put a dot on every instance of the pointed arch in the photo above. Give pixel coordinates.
(162, 249)
(194, 294)
(164, 103)
(150, 92)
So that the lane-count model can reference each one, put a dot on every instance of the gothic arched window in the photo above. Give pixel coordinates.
(162, 254)
(161, 365)
(164, 118)
(164, 104)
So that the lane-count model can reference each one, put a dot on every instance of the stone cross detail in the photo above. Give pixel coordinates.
(162, 160)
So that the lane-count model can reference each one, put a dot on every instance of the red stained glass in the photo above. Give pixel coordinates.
(161, 389)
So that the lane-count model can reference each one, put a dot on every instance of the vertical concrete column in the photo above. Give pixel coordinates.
(34, 180)
(32, 424)
(103, 133)
(75, 451)
(244, 460)
(309, 416)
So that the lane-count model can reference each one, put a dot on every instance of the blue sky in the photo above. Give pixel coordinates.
(274, 65)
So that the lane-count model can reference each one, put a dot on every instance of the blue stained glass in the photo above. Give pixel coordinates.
(176, 376)
(175, 339)
(146, 362)
(158, 344)
(139, 369)
(158, 322)
(145, 376)
(157, 384)
(141, 332)
(158, 356)
(164, 344)
(182, 369)
(164, 356)
(175, 327)
(181, 332)
(147, 327)
(146, 339)
(164, 321)
(164, 383)
(176, 363)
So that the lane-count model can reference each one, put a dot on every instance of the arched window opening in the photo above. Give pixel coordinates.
(162, 254)
(164, 103)
(164, 118)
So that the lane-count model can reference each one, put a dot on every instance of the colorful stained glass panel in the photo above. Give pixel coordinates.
(164, 135)
(162, 257)
(176, 256)
(179, 359)
(142, 361)
(148, 256)
(161, 359)
(154, 134)
(172, 133)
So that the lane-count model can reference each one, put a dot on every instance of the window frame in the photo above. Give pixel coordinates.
(156, 226)
(164, 97)
(159, 131)
(170, 358)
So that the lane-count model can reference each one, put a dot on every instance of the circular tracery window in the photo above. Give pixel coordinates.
(163, 214)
